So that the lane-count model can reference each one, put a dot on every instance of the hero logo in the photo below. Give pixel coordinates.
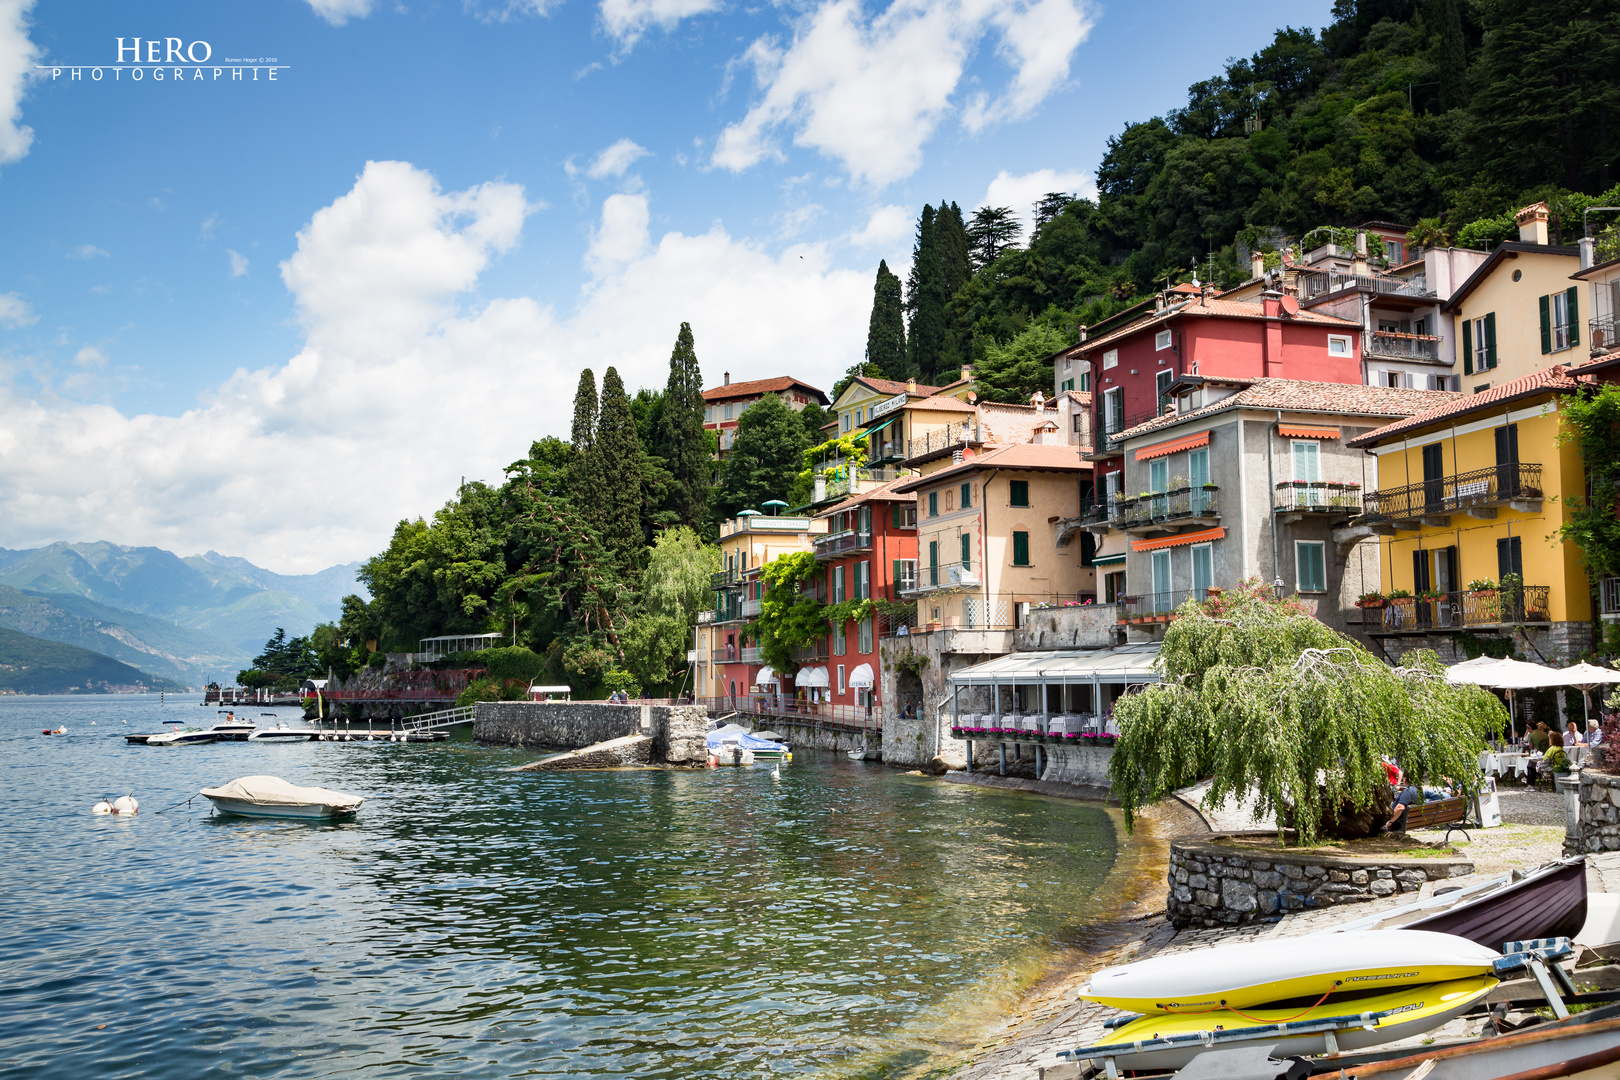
(172, 51)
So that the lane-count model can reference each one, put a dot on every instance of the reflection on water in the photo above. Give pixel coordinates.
(844, 920)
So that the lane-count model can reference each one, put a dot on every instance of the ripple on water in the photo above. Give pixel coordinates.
(845, 920)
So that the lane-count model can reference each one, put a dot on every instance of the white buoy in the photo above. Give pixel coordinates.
(102, 807)
(126, 805)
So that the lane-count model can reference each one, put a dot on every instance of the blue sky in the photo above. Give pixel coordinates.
(344, 289)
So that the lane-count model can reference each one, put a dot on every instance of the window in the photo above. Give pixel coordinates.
(708, 413)
(1113, 411)
(838, 584)
(1445, 382)
(1068, 363)
(1398, 380)
(1110, 359)
(1162, 381)
(1310, 565)
(1558, 312)
(840, 647)
(841, 686)
(1479, 344)
(905, 575)
(1198, 476)
(1085, 382)
(967, 496)
(1161, 581)
(843, 421)
(1203, 570)
(1020, 549)
(1018, 491)
(1509, 558)
(933, 562)
(1392, 252)
(1158, 474)
(728, 412)
(967, 551)
(1307, 456)
(1193, 399)
(864, 636)
(933, 504)
(1161, 340)
(863, 581)
(1067, 384)
(1338, 345)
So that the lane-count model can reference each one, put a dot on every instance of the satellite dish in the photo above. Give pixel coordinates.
(1290, 305)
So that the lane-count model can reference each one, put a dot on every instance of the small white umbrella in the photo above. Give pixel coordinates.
(1586, 678)
(1508, 675)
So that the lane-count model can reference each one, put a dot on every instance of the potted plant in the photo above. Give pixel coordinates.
(1482, 587)
(1367, 600)
(1430, 595)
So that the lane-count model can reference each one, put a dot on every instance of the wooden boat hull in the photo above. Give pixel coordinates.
(1421, 1008)
(1548, 903)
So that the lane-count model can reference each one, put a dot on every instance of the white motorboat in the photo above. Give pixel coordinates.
(183, 736)
(271, 796)
(281, 733)
(232, 729)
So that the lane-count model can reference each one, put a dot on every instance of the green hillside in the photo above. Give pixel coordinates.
(31, 665)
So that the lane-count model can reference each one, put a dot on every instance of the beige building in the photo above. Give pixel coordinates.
(1519, 313)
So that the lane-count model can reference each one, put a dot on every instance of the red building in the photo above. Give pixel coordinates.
(724, 404)
(1157, 362)
(869, 552)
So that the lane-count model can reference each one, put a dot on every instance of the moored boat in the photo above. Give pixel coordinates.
(281, 733)
(1549, 902)
(271, 796)
(183, 736)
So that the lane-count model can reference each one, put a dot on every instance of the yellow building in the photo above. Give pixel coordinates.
(1519, 312)
(876, 410)
(1469, 497)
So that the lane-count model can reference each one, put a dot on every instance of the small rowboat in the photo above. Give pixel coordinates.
(271, 796)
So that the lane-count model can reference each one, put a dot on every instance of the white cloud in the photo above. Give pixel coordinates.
(405, 380)
(15, 311)
(338, 12)
(18, 55)
(871, 92)
(87, 251)
(1021, 193)
(90, 356)
(616, 159)
(500, 11)
(887, 226)
(627, 20)
(239, 263)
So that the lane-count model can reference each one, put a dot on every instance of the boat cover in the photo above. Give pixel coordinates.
(274, 791)
(742, 737)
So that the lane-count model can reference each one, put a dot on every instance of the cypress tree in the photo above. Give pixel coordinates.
(1451, 57)
(956, 267)
(686, 444)
(925, 297)
(581, 482)
(617, 475)
(886, 332)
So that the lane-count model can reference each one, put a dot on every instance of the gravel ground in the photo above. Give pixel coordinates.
(1528, 806)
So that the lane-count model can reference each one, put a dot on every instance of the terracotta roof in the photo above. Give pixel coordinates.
(1502, 251)
(941, 404)
(1082, 396)
(883, 492)
(892, 386)
(1299, 395)
(756, 387)
(1557, 379)
(1212, 308)
(1025, 456)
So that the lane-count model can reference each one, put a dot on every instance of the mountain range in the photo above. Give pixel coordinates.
(193, 619)
(31, 665)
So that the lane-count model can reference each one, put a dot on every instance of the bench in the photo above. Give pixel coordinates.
(1452, 813)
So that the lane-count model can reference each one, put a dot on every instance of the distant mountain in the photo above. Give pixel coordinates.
(31, 665)
(227, 598)
(151, 644)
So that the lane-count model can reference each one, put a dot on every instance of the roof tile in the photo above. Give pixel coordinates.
(1299, 395)
(754, 387)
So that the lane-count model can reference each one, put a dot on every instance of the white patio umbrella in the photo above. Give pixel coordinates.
(1508, 675)
(1586, 678)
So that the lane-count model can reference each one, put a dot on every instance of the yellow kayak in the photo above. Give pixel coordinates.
(1171, 1040)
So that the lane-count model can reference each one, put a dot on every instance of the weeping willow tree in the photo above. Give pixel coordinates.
(1256, 694)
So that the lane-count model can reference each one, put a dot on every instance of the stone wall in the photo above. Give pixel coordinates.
(1083, 766)
(635, 750)
(812, 736)
(1212, 884)
(678, 731)
(933, 656)
(1600, 812)
(1084, 626)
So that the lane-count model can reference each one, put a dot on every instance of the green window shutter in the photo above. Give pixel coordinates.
(1468, 346)
(967, 551)
(1490, 339)
(1546, 325)
(894, 580)
(1574, 315)
(1020, 549)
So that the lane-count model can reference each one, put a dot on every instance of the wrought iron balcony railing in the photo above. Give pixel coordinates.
(950, 437)
(1512, 482)
(1509, 606)
(1403, 346)
(1317, 497)
(1167, 507)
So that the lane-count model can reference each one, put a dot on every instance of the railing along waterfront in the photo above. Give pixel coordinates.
(1317, 497)
(1450, 494)
(1512, 606)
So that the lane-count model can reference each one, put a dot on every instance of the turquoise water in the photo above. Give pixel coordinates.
(843, 920)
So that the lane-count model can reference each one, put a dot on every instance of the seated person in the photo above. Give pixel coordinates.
(1408, 797)
(1555, 758)
(1572, 735)
(1594, 733)
(1539, 738)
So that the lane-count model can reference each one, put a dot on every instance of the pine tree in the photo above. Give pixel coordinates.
(584, 466)
(686, 444)
(618, 475)
(926, 297)
(886, 332)
(993, 230)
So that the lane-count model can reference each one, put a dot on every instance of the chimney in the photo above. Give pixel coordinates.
(1257, 263)
(911, 386)
(728, 378)
(1271, 303)
(967, 373)
(1158, 302)
(1358, 264)
(1533, 224)
(1082, 331)
(1588, 256)
(1037, 401)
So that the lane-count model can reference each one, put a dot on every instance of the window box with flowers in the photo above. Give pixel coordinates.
(1370, 601)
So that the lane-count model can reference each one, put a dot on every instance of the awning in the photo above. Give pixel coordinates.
(885, 422)
(1108, 560)
(861, 678)
(1197, 536)
(766, 677)
(1186, 442)
(1295, 431)
(1125, 664)
(810, 678)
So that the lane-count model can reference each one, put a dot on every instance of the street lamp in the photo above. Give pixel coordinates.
(1278, 588)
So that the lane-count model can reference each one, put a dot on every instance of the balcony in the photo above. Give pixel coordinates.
(853, 482)
(736, 655)
(1465, 610)
(947, 576)
(1603, 333)
(941, 440)
(1403, 346)
(705, 617)
(1307, 498)
(1609, 597)
(1161, 511)
(837, 544)
(725, 579)
(1476, 493)
(816, 650)
(1321, 283)
(749, 608)
(1156, 607)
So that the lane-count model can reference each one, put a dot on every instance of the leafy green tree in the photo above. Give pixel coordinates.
(886, 330)
(763, 458)
(1013, 372)
(676, 589)
(788, 619)
(618, 495)
(993, 230)
(1256, 693)
(1049, 207)
(813, 417)
(687, 443)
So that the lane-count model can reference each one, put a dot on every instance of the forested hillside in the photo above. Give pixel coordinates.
(31, 665)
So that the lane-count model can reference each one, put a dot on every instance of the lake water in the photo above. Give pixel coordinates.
(845, 920)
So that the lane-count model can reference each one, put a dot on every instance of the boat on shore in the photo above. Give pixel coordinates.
(271, 796)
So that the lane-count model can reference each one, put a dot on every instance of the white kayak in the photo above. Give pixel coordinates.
(1254, 973)
(271, 796)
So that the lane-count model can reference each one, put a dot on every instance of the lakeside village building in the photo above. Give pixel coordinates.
(1380, 442)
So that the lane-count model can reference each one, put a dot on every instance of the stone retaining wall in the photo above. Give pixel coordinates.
(1600, 812)
(1215, 885)
(1085, 766)
(613, 754)
(814, 737)
(678, 731)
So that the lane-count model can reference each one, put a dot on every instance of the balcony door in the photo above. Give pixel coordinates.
(1161, 581)
(1308, 470)
(1198, 467)
(1507, 461)
(1203, 570)
(1159, 483)
(1434, 476)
